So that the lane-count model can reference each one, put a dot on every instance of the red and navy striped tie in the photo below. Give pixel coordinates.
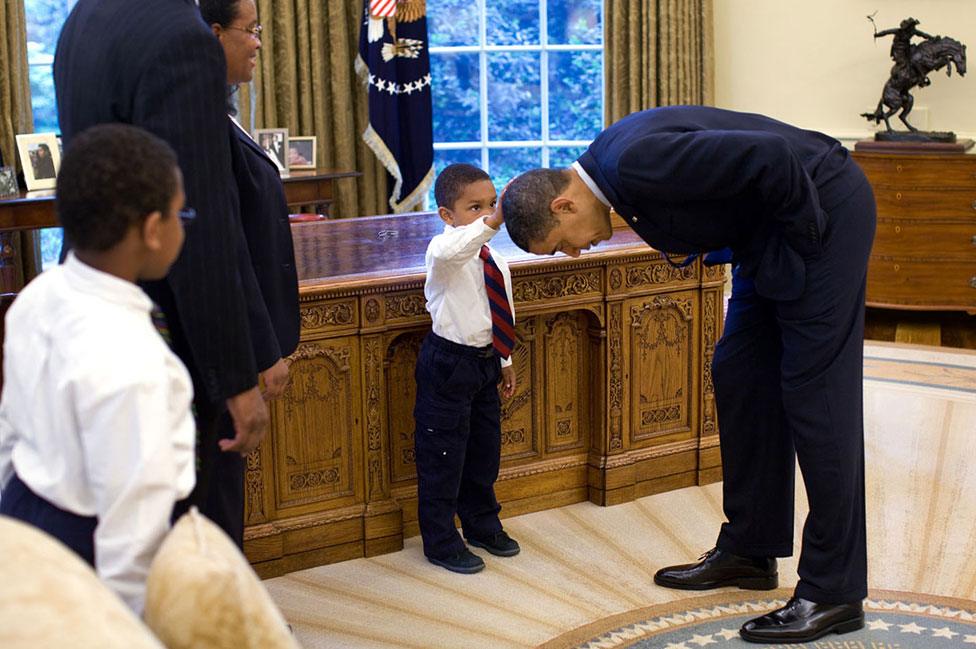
(502, 323)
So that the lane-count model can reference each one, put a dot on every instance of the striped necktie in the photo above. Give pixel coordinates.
(502, 323)
(159, 322)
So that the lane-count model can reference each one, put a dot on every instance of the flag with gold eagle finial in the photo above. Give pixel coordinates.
(394, 64)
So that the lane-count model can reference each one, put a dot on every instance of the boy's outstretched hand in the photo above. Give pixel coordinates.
(508, 382)
(495, 220)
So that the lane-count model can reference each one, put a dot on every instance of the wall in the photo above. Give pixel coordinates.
(816, 64)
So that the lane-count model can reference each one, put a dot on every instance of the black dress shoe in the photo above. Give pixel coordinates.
(499, 544)
(803, 621)
(464, 561)
(716, 568)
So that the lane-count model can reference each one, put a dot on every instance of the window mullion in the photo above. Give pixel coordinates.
(483, 81)
(544, 78)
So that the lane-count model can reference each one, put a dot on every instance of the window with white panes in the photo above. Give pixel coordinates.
(517, 84)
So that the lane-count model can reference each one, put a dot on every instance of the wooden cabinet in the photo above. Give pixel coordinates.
(614, 396)
(924, 254)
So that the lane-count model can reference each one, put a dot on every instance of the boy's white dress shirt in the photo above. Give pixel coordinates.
(95, 414)
(455, 288)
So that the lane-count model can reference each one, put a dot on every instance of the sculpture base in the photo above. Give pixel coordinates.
(915, 136)
(913, 146)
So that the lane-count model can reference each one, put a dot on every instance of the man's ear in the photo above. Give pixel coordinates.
(216, 29)
(446, 215)
(562, 205)
(152, 231)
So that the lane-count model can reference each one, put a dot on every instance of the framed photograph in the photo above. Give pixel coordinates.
(40, 158)
(8, 182)
(274, 142)
(301, 152)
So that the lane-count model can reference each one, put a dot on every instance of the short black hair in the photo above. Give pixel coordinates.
(220, 12)
(452, 181)
(112, 177)
(525, 204)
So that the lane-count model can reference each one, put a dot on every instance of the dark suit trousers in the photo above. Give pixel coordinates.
(457, 443)
(788, 384)
(76, 532)
(225, 497)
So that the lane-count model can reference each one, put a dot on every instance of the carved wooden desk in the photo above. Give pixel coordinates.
(614, 396)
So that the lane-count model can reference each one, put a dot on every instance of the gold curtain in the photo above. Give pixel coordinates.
(658, 53)
(15, 109)
(18, 251)
(306, 82)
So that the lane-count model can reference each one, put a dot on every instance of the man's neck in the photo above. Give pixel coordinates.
(578, 174)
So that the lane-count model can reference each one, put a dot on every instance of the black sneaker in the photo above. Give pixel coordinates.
(499, 544)
(462, 561)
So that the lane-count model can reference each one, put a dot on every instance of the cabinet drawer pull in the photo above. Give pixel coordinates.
(972, 282)
(898, 168)
(974, 239)
(974, 205)
(898, 196)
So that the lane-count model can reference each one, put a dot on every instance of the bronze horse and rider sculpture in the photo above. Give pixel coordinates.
(913, 63)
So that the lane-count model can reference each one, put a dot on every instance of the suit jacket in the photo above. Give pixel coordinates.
(692, 179)
(156, 64)
(264, 217)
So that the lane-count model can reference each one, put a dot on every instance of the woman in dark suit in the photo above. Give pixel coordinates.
(264, 217)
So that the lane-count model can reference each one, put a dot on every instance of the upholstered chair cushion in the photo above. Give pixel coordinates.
(203, 594)
(51, 599)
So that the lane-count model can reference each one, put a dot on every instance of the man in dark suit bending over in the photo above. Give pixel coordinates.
(156, 64)
(798, 216)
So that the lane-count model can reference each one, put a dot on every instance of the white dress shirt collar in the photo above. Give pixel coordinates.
(82, 277)
(585, 177)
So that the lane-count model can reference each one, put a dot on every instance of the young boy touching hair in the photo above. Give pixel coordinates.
(458, 412)
(96, 433)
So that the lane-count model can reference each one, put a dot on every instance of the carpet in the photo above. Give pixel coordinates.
(893, 620)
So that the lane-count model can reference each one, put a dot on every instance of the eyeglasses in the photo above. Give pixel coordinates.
(253, 31)
(187, 214)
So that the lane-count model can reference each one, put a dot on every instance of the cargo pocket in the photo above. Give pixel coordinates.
(438, 440)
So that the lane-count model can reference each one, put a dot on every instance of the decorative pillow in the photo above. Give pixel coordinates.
(51, 598)
(203, 594)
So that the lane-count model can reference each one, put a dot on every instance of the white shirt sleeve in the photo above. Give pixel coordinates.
(128, 439)
(456, 246)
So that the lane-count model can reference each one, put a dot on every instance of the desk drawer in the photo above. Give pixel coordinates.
(907, 239)
(906, 203)
(920, 171)
(921, 285)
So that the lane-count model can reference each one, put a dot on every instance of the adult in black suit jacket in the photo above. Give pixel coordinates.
(155, 64)
(267, 231)
(798, 217)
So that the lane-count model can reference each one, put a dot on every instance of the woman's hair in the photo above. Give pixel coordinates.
(219, 12)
